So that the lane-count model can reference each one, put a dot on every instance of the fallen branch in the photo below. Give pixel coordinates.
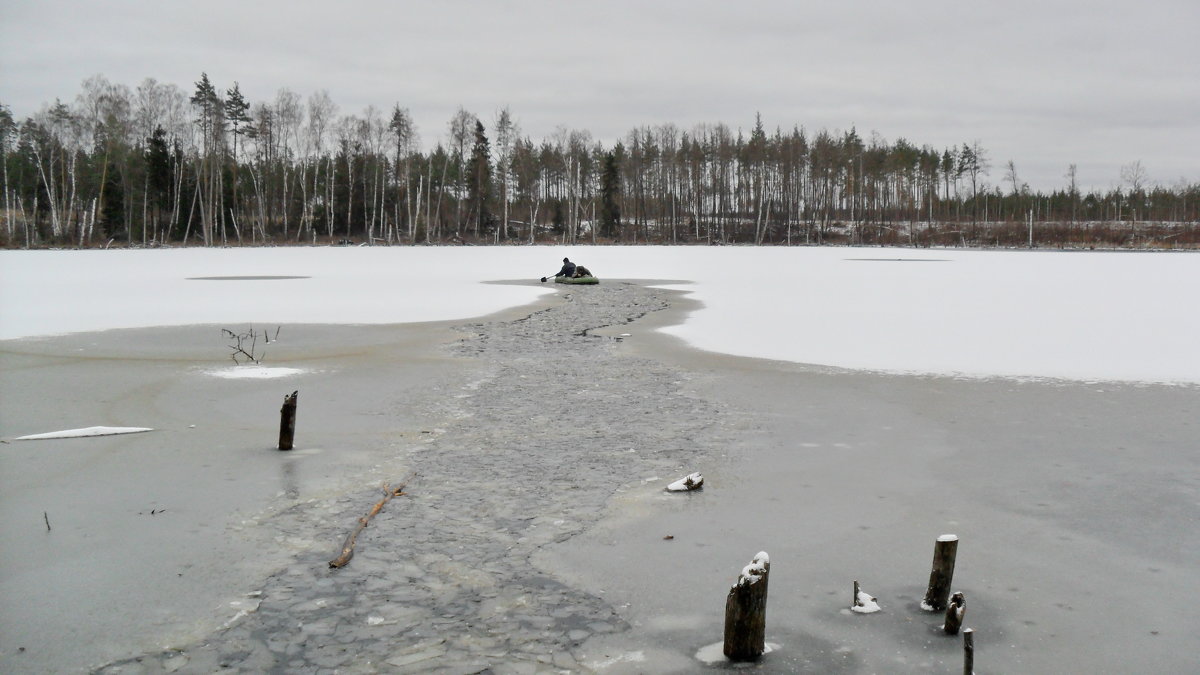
(348, 545)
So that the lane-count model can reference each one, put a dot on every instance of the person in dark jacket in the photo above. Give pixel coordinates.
(568, 269)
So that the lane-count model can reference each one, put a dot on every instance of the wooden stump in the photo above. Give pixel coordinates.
(746, 612)
(954, 614)
(944, 551)
(969, 652)
(287, 421)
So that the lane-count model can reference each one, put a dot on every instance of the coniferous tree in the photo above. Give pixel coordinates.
(479, 176)
(610, 196)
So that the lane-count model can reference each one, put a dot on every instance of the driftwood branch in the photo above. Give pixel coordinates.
(351, 539)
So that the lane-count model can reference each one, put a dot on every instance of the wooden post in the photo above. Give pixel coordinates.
(855, 602)
(287, 421)
(969, 651)
(944, 551)
(954, 614)
(746, 612)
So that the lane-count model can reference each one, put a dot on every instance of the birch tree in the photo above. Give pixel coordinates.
(506, 138)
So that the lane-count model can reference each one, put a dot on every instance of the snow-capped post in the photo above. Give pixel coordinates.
(287, 421)
(746, 612)
(969, 651)
(944, 551)
(954, 614)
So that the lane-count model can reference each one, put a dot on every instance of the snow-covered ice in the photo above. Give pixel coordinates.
(248, 372)
(1122, 316)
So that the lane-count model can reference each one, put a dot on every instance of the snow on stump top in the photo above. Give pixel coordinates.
(692, 481)
(746, 612)
(86, 432)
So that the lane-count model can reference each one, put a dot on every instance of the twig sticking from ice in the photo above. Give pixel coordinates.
(692, 481)
(866, 604)
(85, 433)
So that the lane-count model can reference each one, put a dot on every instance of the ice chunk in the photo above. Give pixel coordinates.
(692, 481)
(85, 432)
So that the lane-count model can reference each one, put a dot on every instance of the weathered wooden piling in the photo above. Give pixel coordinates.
(746, 612)
(942, 574)
(954, 614)
(969, 651)
(287, 421)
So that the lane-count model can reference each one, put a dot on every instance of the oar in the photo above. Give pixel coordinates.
(544, 279)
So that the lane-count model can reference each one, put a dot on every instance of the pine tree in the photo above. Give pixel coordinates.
(403, 132)
(610, 196)
(211, 120)
(479, 176)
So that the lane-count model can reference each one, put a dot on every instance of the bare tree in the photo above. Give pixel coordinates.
(506, 138)
(1072, 189)
(461, 130)
(321, 113)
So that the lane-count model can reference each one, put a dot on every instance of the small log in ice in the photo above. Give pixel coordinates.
(692, 481)
(746, 612)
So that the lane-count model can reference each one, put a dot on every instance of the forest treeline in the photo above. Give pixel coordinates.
(158, 165)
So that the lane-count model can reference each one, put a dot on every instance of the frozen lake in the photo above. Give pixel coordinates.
(1075, 315)
(1071, 497)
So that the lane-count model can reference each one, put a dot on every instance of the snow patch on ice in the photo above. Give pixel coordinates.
(85, 433)
(715, 653)
(254, 372)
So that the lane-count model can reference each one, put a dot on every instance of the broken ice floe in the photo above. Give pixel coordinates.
(85, 433)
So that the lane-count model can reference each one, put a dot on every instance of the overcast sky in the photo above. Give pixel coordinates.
(1045, 83)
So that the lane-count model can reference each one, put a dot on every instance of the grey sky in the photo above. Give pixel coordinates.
(1099, 84)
